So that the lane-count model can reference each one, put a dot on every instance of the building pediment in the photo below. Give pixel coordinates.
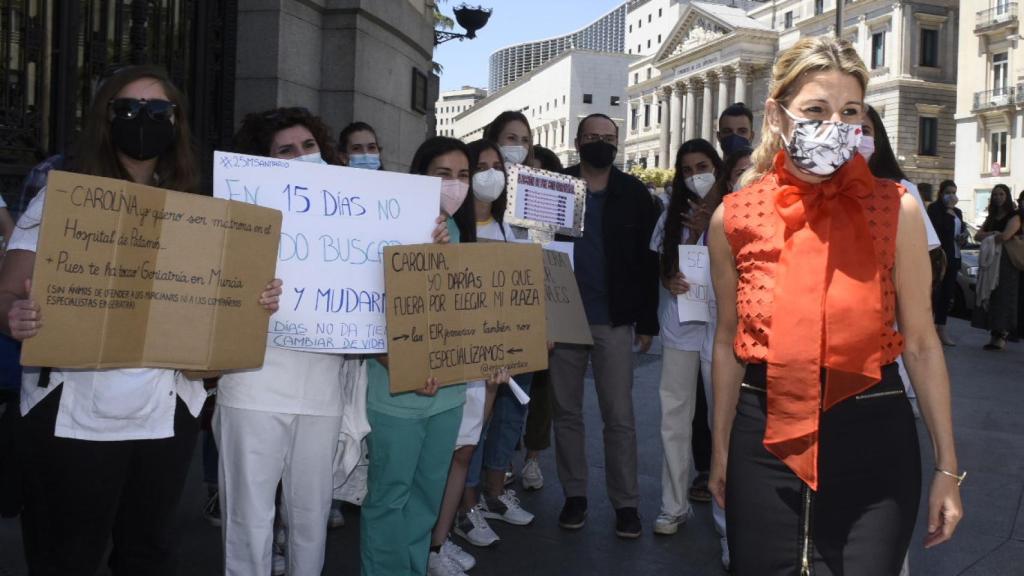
(701, 24)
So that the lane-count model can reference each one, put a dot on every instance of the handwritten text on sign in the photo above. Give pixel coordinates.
(134, 276)
(461, 312)
(694, 264)
(337, 222)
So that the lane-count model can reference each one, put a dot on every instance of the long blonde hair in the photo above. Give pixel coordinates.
(816, 54)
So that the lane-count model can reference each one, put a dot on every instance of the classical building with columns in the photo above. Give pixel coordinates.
(721, 52)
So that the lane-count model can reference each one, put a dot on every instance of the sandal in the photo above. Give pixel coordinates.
(699, 489)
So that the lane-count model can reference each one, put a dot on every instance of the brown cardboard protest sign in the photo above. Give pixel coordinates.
(461, 312)
(567, 320)
(135, 276)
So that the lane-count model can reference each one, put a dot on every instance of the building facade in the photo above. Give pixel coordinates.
(555, 97)
(720, 52)
(990, 100)
(606, 34)
(452, 103)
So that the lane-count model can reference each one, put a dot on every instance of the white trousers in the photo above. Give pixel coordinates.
(678, 392)
(258, 450)
(717, 512)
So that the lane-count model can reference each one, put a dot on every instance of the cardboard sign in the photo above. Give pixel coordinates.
(461, 312)
(337, 222)
(695, 266)
(135, 276)
(567, 320)
(545, 201)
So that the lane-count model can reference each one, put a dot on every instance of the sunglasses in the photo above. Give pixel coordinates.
(129, 108)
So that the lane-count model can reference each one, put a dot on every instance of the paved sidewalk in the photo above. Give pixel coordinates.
(988, 391)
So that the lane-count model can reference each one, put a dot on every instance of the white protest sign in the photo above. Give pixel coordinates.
(695, 266)
(336, 224)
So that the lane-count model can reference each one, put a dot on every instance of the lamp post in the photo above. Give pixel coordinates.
(472, 19)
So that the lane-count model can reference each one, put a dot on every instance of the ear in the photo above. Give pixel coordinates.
(773, 115)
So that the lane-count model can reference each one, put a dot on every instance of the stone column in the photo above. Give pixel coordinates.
(691, 105)
(723, 92)
(563, 135)
(705, 118)
(669, 148)
(894, 50)
(629, 118)
(741, 85)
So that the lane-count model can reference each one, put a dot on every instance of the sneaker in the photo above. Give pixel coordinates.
(211, 512)
(336, 518)
(464, 559)
(473, 527)
(627, 523)
(574, 513)
(505, 508)
(278, 562)
(510, 477)
(532, 477)
(441, 565)
(726, 560)
(668, 524)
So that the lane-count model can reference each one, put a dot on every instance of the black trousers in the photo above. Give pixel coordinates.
(859, 522)
(81, 493)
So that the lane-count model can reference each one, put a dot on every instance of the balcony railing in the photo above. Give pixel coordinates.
(996, 98)
(1003, 13)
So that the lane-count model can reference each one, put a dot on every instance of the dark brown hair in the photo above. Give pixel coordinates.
(258, 129)
(96, 154)
(476, 148)
(679, 203)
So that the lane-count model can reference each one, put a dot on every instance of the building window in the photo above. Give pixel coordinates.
(588, 98)
(614, 101)
(648, 73)
(659, 12)
(660, 104)
(639, 24)
(648, 44)
(634, 119)
(929, 47)
(563, 98)
(819, 7)
(649, 17)
(637, 48)
(659, 39)
(788, 20)
(997, 149)
(630, 27)
(647, 115)
(1000, 67)
(928, 137)
(877, 50)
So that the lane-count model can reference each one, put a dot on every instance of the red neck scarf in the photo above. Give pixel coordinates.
(827, 309)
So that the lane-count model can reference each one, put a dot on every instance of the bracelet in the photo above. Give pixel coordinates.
(958, 477)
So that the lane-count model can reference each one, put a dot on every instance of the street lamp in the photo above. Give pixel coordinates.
(472, 19)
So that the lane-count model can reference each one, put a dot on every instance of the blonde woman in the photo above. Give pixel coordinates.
(814, 440)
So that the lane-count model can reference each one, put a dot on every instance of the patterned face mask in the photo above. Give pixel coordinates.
(821, 147)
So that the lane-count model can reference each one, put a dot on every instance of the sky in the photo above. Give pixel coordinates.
(511, 22)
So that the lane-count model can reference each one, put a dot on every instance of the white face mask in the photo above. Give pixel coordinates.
(488, 185)
(700, 184)
(315, 158)
(821, 147)
(453, 193)
(866, 147)
(513, 154)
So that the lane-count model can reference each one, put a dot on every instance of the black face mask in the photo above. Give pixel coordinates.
(142, 137)
(733, 143)
(598, 154)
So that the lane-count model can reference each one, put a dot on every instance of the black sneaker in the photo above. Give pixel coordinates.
(574, 513)
(627, 523)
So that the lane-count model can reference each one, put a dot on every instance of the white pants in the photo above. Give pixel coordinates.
(717, 512)
(258, 450)
(678, 392)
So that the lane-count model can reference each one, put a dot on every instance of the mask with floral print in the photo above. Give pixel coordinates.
(821, 147)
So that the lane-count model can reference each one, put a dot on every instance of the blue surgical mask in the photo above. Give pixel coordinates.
(315, 158)
(364, 161)
(733, 143)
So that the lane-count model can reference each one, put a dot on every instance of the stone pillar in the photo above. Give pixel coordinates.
(741, 86)
(894, 51)
(723, 93)
(669, 149)
(691, 105)
(563, 135)
(629, 118)
(705, 118)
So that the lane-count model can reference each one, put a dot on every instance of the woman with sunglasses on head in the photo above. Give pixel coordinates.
(109, 450)
(812, 262)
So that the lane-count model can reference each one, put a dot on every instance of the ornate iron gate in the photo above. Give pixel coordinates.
(53, 51)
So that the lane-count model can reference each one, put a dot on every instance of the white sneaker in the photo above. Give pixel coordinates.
(464, 559)
(726, 560)
(505, 508)
(441, 565)
(667, 524)
(336, 519)
(474, 528)
(531, 475)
